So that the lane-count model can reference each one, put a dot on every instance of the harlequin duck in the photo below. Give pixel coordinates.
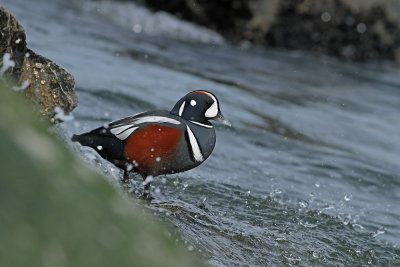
(159, 142)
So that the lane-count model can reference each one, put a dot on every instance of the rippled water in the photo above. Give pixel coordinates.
(307, 175)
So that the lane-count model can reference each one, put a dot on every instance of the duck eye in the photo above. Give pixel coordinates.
(193, 102)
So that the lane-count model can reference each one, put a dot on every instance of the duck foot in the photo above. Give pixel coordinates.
(146, 194)
(147, 197)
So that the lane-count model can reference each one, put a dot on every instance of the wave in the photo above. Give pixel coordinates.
(139, 19)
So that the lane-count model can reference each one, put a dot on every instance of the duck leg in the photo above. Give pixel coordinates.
(126, 177)
(146, 193)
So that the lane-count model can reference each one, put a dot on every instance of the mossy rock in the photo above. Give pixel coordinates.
(56, 212)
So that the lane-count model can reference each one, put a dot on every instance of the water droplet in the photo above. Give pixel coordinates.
(347, 197)
(190, 248)
(315, 254)
(152, 149)
(361, 28)
(129, 167)
(137, 28)
(158, 159)
(157, 190)
(326, 17)
(99, 148)
(275, 192)
(303, 204)
(317, 185)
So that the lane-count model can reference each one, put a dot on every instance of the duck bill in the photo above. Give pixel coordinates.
(220, 118)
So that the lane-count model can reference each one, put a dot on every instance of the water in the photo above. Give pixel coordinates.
(307, 175)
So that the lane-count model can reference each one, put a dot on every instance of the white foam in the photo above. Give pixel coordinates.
(60, 114)
(7, 63)
(139, 19)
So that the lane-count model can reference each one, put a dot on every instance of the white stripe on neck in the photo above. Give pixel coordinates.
(194, 145)
(202, 124)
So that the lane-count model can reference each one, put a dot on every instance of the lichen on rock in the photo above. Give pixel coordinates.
(50, 86)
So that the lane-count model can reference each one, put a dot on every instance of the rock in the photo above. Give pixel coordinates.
(49, 84)
(225, 16)
(12, 41)
(332, 27)
(352, 30)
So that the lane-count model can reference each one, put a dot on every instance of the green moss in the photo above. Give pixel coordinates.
(56, 212)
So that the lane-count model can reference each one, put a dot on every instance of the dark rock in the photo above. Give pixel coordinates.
(12, 41)
(332, 27)
(228, 17)
(349, 30)
(49, 84)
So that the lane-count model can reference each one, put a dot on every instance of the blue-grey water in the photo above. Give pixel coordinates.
(309, 173)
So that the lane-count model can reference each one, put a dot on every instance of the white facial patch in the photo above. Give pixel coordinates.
(194, 145)
(212, 111)
(181, 108)
(193, 102)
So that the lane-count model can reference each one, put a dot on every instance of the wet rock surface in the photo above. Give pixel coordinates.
(41, 80)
